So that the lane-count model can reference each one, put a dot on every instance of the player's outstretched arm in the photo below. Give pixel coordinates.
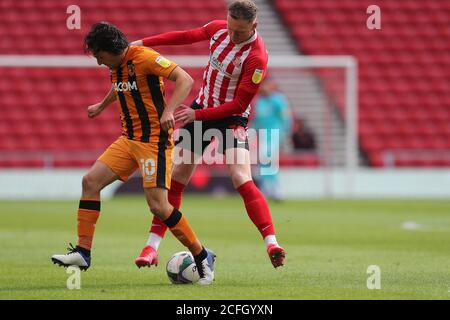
(95, 109)
(183, 86)
(173, 38)
(247, 89)
(182, 37)
(236, 106)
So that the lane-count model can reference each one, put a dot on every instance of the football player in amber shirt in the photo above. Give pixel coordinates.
(146, 142)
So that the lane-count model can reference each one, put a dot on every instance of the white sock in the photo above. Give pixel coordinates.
(272, 239)
(154, 240)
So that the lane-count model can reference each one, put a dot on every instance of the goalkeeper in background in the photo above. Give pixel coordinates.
(271, 113)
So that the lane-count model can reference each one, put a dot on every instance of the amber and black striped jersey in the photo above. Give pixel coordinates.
(139, 86)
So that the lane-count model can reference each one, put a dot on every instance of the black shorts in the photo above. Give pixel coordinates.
(231, 132)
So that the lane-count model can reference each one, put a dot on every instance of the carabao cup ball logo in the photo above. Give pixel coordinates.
(181, 268)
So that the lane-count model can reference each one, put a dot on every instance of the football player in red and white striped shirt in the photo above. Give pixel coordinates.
(237, 65)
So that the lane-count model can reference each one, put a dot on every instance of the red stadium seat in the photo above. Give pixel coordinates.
(45, 31)
(404, 99)
(404, 68)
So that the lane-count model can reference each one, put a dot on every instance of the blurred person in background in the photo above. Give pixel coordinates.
(272, 112)
(302, 136)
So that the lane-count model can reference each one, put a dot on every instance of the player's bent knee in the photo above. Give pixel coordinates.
(154, 206)
(239, 178)
(159, 208)
(182, 173)
(90, 184)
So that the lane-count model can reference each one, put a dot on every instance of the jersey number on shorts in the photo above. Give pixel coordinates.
(148, 168)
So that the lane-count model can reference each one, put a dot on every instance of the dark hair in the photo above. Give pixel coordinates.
(104, 36)
(244, 9)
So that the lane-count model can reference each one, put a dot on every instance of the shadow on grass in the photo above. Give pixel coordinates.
(107, 288)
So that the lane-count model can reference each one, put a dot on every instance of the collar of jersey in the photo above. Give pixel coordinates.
(126, 57)
(252, 38)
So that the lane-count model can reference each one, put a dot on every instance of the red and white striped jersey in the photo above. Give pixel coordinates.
(227, 64)
(234, 71)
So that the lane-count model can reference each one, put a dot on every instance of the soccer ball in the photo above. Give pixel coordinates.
(181, 268)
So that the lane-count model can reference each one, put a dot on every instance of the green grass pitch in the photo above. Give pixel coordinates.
(329, 245)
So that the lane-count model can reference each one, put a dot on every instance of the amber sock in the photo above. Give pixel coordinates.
(88, 213)
(179, 226)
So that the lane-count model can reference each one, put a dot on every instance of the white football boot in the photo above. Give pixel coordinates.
(75, 257)
(206, 268)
